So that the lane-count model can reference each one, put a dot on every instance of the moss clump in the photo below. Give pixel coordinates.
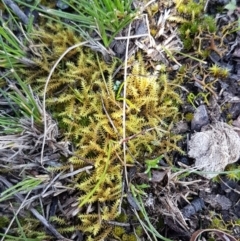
(218, 71)
(189, 8)
(189, 116)
(83, 97)
(196, 28)
(4, 221)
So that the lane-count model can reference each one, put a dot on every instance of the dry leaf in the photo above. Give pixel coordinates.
(159, 176)
(214, 148)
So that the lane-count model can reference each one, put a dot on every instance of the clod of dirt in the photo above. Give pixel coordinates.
(214, 148)
(218, 202)
(192, 208)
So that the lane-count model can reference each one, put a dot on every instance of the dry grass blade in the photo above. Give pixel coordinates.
(45, 116)
(124, 106)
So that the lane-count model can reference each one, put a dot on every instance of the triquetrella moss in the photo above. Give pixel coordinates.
(83, 96)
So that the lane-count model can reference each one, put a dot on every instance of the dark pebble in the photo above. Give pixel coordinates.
(200, 118)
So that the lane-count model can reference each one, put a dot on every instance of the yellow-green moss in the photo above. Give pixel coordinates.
(89, 110)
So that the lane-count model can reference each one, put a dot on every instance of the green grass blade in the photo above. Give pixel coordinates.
(25, 185)
(146, 223)
(15, 238)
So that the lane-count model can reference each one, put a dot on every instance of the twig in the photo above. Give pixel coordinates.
(50, 183)
(115, 223)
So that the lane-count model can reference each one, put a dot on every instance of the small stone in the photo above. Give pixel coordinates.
(62, 5)
(141, 28)
(235, 110)
(200, 118)
(220, 202)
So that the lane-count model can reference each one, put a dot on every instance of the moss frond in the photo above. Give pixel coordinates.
(233, 172)
(58, 220)
(66, 229)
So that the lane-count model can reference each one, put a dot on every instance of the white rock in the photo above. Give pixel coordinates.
(214, 148)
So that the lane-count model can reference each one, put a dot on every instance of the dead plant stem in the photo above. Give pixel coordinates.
(124, 105)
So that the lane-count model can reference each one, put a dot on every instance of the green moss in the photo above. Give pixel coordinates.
(209, 24)
(123, 218)
(129, 237)
(118, 231)
(233, 172)
(139, 231)
(190, 8)
(189, 116)
(218, 71)
(218, 223)
(189, 30)
(89, 110)
(4, 221)
(195, 25)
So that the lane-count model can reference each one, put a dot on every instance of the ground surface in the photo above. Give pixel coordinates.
(177, 202)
